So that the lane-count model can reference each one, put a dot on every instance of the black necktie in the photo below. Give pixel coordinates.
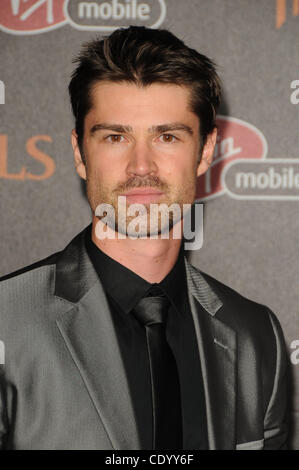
(167, 422)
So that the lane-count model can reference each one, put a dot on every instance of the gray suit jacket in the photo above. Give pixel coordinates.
(63, 383)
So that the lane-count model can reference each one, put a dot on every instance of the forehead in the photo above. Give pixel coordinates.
(126, 102)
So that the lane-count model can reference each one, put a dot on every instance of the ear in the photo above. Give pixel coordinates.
(207, 153)
(79, 164)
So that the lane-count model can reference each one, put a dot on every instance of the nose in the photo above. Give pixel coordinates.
(141, 160)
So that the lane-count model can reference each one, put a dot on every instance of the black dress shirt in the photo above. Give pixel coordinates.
(124, 289)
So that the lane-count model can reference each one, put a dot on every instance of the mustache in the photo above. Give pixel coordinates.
(137, 182)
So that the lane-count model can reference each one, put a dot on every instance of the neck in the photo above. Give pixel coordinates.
(151, 259)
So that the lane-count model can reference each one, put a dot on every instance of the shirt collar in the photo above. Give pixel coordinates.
(126, 288)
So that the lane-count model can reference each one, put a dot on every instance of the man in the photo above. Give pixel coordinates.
(88, 364)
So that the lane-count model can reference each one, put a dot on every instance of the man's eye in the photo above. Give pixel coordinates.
(115, 138)
(168, 138)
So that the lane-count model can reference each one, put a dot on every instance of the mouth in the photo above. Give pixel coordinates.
(143, 195)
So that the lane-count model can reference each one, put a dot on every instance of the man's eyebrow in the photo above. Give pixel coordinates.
(159, 129)
(173, 126)
(110, 127)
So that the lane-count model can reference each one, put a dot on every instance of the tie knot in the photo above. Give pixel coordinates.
(150, 310)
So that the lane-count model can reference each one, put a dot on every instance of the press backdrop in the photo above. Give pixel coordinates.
(251, 194)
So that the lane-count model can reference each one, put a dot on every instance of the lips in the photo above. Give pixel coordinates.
(143, 195)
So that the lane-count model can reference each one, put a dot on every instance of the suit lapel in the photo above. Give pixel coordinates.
(88, 331)
(217, 350)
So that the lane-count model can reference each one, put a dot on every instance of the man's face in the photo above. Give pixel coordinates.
(141, 142)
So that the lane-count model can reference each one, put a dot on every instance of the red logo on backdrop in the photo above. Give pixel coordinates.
(236, 140)
(32, 16)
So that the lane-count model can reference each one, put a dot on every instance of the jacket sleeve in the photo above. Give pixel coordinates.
(276, 416)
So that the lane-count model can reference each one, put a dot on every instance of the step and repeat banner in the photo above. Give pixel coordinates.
(251, 191)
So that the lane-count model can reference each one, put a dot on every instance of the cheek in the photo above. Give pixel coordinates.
(99, 168)
(180, 172)
(103, 179)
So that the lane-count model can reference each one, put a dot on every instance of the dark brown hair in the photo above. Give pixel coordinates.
(144, 56)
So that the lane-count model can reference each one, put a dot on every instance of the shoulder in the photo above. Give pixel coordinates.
(29, 277)
(44, 265)
(25, 289)
(14, 275)
(250, 319)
